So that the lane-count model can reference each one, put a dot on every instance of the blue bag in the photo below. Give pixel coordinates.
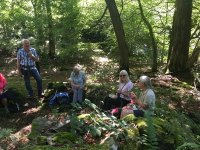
(59, 98)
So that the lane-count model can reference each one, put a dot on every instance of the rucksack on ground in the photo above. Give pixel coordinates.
(59, 98)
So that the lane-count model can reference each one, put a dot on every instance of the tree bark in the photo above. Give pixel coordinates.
(153, 41)
(181, 31)
(119, 32)
(194, 57)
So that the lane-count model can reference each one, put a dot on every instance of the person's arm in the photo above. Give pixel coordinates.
(72, 82)
(142, 105)
(147, 103)
(33, 55)
(127, 89)
(125, 93)
(74, 85)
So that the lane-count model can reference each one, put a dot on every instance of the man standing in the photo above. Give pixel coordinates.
(26, 58)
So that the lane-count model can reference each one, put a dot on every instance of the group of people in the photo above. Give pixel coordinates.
(128, 100)
(26, 66)
(27, 57)
(124, 98)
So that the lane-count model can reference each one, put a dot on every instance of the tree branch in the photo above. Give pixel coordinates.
(99, 20)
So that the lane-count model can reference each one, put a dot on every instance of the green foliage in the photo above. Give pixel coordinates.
(64, 138)
(149, 138)
(97, 93)
(177, 134)
(81, 52)
(129, 118)
(189, 146)
(38, 125)
(4, 132)
(46, 147)
(41, 140)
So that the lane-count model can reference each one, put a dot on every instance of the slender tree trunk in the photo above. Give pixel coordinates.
(50, 30)
(195, 54)
(194, 57)
(119, 32)
(153, 41)
(181, 31)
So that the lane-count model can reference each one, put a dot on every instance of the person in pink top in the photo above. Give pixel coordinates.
(122, 97)
(3, 99)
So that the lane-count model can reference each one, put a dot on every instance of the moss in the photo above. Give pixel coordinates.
(64, 137)
(141, 123)
(129, 118)
(38, 125)
(133, 132)
(48, 147)
(82, 116)
(34, 133)
(42, 140)
(185, 85)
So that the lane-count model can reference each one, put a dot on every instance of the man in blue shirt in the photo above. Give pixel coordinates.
(26, 58)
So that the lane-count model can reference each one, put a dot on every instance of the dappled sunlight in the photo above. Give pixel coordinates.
(12, 73)
(101, 60)
(10, 60)
(20, 137)
(55, 69)
(171, 106)
(31, 111)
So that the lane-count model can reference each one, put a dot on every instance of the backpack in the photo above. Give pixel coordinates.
(14, 107)
(59, 98)
(14, 100)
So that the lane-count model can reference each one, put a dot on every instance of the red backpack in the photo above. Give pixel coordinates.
(3, 82)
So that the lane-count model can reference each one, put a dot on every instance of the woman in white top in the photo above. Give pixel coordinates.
(122, 97)
(146, 101)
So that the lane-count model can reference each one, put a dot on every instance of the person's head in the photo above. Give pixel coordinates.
(26, 44)
(144, 82)
(77, 69)
(123, 76)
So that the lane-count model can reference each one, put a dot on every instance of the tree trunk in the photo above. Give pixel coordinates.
(50, 30)
(181, 31)
(119, 32)
(154, 45)
(194, 57)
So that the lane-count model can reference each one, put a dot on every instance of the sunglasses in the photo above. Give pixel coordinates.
(122, 75)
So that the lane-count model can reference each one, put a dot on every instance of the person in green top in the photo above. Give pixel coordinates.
(146, 101)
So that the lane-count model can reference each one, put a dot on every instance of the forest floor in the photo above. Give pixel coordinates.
(100, 69)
